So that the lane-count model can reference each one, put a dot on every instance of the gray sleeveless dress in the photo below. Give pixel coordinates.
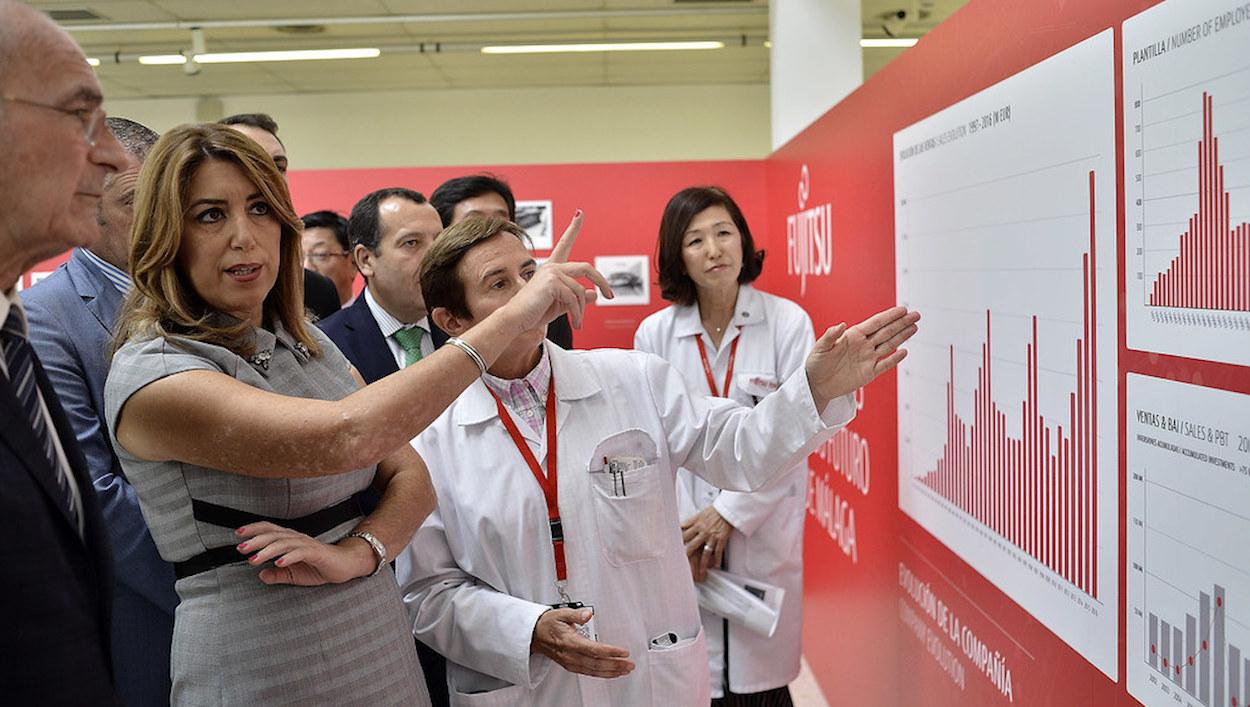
(236, 640)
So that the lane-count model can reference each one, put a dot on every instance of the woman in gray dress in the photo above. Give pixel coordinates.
(246, 433)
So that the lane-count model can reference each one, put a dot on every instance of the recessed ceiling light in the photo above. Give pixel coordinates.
(162, 59)
(887, 42)
(290, 55)
(599, 47)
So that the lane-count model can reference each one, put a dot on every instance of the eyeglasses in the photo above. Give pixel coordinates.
(323, 257)
(91, 118)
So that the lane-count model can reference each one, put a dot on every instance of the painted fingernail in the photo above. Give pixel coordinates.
(578, 213)
(253, 557)
(242, 547)
(281, 561)
(241, 531)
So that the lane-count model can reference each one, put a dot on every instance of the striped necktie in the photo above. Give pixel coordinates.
(410, 341)
(20, 360)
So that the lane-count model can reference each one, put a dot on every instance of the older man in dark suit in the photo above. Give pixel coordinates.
(55, 565)
(71, 316)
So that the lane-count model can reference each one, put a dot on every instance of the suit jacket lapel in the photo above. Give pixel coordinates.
(94, 535)
(98, 294)
(375, 357)
(17, 435)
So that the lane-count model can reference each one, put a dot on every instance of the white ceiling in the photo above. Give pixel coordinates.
(450, 32)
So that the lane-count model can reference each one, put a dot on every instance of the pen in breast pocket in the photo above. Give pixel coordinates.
(664, 640)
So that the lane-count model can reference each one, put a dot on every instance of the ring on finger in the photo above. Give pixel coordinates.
(707, 547)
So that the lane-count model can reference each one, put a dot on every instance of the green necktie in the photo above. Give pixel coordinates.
(410, 340)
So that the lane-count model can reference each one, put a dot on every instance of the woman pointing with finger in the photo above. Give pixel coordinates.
(554, 559)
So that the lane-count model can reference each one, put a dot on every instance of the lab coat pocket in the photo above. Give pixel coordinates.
(757, 384)
(502, 697)
(679, 673)
(629, 507)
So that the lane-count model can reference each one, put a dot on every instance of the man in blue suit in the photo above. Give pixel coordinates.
(386, 328)
(55, 563)
(71, 315)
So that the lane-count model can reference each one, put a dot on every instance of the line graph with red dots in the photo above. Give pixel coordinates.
(1197, 657)
(1188, 574)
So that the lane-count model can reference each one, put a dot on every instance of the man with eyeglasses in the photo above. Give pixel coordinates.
(55, 562)
(70, 315)
(326, 251)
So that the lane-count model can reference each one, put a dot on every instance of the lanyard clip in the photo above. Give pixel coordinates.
(557, 529)
(562, 588)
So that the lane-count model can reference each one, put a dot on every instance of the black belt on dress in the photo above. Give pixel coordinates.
(313, 524)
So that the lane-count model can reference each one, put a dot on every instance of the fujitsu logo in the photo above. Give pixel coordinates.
(809, 236)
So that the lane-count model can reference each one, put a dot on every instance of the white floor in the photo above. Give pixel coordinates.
(804, 690)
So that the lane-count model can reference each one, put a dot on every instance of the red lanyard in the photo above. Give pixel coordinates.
(548, 482)
(707, 367)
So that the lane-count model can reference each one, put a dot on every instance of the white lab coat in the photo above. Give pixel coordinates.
(479, 572)
(767, 541)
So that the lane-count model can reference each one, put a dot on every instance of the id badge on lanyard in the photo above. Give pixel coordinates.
(549, 483)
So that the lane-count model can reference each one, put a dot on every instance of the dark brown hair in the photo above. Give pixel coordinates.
(440, 285)
(675, 285)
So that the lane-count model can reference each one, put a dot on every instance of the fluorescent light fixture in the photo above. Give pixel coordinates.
(162, 59)
(290, 55)
(886, 43)
(93, 61)
(599, 47)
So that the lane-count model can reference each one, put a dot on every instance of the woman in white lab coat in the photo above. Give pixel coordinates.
(554, 552)
(728, 339)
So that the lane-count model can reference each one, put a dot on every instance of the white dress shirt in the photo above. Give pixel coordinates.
(389, 325)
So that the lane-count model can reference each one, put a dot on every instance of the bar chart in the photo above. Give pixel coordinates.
(1187, 182)
(1034, 486)
(1005, 237)
(1212, 269)
(1188, 560)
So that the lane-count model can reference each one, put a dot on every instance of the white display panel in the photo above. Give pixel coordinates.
(1187, 180)
(1005, 227)
(1188, 544)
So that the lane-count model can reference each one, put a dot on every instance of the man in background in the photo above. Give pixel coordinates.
(55, 564)
(320, 296)
(327, 251)
(71, 314)
(488, 196)
(387, 327)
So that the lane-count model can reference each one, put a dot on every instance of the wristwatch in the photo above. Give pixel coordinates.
(378, 548)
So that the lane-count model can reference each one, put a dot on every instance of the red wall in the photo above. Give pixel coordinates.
(854, 639)
(623, 203)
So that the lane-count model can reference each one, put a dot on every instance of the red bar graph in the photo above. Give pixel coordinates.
(1212, 269)
(1036, 489)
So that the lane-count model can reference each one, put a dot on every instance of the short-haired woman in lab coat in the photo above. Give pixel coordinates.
(731, 340)
(555, 477)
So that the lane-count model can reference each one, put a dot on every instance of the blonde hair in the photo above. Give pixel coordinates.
(163, 303)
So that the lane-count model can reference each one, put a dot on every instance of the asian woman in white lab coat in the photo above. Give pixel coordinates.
(728, 339)
(554, 557)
